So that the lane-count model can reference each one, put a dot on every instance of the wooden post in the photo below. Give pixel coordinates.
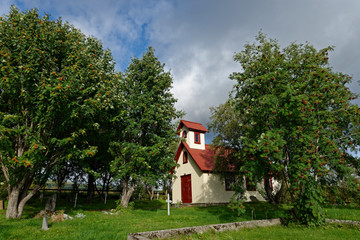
(168, 203)
(2, 207)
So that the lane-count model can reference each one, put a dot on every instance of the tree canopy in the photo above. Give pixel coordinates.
(142, 151)
(54, 83)
(298, 122)
(63, 107)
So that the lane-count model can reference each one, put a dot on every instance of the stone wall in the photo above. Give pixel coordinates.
(201, 229)
(219, 228)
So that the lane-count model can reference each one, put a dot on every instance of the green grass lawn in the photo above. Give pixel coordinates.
(153, 216)
(329, 232)
(343, 212)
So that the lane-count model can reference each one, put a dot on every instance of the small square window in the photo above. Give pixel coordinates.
(229, 181)
(197, 138)
(185, 157)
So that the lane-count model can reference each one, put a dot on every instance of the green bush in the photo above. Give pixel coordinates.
(124, 210)
(3, 190)
(237, 206)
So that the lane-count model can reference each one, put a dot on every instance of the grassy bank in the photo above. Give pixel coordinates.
(148, 216)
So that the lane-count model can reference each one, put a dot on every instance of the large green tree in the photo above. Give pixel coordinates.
(54, 83)
(226, 125)
(299, 124)
(142, 152)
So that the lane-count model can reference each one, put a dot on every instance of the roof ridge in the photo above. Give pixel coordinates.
(192, 125)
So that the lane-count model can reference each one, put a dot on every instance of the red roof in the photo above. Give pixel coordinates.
(203, 158)
(198, 127)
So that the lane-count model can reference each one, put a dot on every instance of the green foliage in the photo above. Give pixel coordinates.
(54, 83)
(308, 208)
(142, 150)
(341, 194)
(64, 110)
(298, 122)
(237, 206)
(225, 124)
(124, 210)
(3, 190)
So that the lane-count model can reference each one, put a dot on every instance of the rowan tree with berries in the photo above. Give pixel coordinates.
(55, 84)
(299, 124)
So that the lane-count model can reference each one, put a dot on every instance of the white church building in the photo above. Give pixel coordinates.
(194, 181)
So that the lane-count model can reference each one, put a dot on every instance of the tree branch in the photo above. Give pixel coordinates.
(4, 169)
(355, 134)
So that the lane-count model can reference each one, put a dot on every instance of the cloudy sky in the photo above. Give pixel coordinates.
(197, 39)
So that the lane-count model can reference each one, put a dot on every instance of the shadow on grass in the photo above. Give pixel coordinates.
(10, 226)
(254, 211)
(150, 205)
(223, 213)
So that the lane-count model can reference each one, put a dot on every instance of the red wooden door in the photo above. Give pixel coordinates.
(186, 196)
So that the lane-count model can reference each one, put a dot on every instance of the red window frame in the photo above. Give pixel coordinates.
(197, 138)
(185, 157)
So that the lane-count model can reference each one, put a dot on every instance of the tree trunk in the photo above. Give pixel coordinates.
(282, 195)
(25, 199)
(15, 206)
(101, 194)
(268, 191)
(127, 193)
(150, 191)
(91, 187)
(12, 206)
(60, 179)
(25, 188)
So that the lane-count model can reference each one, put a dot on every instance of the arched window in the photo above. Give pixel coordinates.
(185, 157)
(184, 134)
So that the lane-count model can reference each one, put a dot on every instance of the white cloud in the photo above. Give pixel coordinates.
(197, 39)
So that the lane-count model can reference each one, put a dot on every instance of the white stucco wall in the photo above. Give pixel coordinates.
(255, 195)
(205, 187)
(196, 180)
(214, 189)
(190, 139)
